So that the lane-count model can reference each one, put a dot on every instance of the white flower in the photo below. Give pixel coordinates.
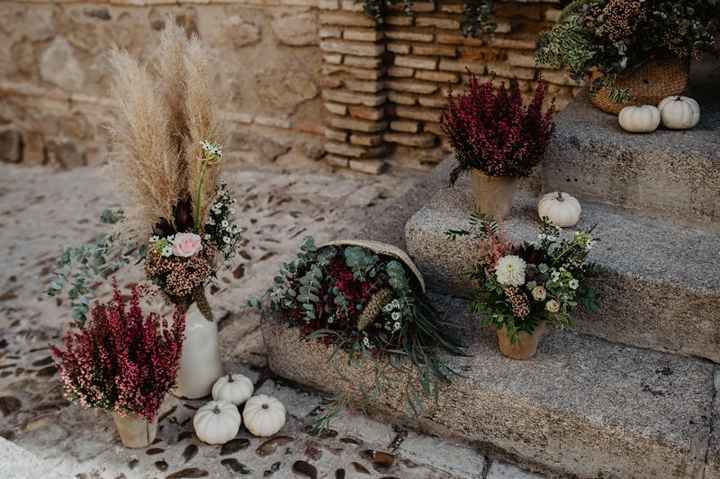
(366, 342)
(224, 224)
(167, 251)
(510, 271)
(539, 293)
(154, 238)
(395, 316)
(387, 308)
(555, 276)
(574, 284)
(552, 306)
(395, 303)
(226, 239)
(396, 326)
(543, 268)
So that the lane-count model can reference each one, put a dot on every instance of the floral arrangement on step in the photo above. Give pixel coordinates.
(522, 284)
(492, 131)
(367, 303)
(168, 157)
(619, 36)
(122, 359)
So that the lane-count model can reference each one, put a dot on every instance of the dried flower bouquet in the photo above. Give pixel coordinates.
(521, 286)
(168, 160)
(619, 37)
(367, 302)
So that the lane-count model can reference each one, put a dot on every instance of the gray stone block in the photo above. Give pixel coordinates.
(674, 173)
(582, 406)
(712, 470)
(661, 289)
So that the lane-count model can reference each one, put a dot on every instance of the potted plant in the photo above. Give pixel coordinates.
(364, 303)
(635, 52)
(167, 157)
(497, 139)
(523, 286)
(124, 361)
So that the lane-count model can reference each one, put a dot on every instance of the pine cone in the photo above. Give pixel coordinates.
(374, 308)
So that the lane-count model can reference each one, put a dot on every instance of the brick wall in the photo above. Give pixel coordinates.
(384, 87)
(300, 74)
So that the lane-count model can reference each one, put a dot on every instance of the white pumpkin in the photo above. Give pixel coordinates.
(679, 112)
(233, 388)
(561, 208)
(639, 119)
(264, 415)
(217, 422)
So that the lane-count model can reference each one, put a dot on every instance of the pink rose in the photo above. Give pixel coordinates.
(186, 244)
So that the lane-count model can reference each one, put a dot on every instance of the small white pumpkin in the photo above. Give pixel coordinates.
(217, 422)
(639, 119)
(233, 388)
(679, 112)
(561, 208)
(264, 415)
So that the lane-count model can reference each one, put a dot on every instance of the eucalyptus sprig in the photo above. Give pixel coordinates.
(80, 268)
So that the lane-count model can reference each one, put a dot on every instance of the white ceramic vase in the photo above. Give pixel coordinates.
(200, 364)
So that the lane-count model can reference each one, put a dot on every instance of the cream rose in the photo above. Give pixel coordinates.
(186, 244)
(552, 306)
(539, 293)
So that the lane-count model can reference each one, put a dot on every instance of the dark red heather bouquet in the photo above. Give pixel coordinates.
(491, 130)
(121, 359)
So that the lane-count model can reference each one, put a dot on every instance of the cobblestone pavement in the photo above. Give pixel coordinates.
(42, 212)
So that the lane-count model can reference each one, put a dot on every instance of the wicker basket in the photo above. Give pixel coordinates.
(648, 84)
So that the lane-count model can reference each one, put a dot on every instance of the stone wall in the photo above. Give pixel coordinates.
(300, 73)
(54, 81)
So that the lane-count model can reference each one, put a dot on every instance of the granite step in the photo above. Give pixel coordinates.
(670, 173)
(583, 407)
(660, 288)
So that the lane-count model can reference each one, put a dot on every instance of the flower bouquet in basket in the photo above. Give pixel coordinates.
(635, 52)
(523, 286)
(366, 299)
(124, 361)
(497, 139)
(167, 159)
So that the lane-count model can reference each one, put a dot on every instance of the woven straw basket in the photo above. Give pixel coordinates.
(648, 84)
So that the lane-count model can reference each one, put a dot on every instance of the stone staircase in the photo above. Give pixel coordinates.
(632, 392)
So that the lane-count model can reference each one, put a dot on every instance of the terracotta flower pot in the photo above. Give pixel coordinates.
(135, 431)
(493, 195)
(525, 347)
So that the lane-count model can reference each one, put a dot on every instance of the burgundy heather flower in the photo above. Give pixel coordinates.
(493, 131)
(122, 360)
